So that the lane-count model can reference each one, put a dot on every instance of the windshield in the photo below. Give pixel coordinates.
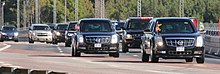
(41, 28)
(61, 27)
(72, 26)
(95, 26)
(119, 25)
(175, 26)
(137, 24)
(9, 29)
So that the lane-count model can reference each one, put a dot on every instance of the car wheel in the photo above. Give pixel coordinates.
(67, 44)
(153, 57)
(124, 47)
(189, 59)
(200, 60)
(16, 40)
(54, 41)
(1, 40)
(75, 51)
(31, 41)
(145, 56)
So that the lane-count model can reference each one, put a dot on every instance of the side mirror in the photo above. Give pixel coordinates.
(29, 28)
(202, 31)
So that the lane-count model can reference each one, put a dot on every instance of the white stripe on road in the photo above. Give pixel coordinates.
(60, 50)
(5, 47)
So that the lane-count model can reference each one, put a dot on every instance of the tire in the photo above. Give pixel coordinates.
(16, 40)
(145, 57)
(75, 51)
(67, 44)
(189, 59)
(200, 60)
(31, 41)
(1, 40)
(54, 41)
(154, 59)
(124, 47)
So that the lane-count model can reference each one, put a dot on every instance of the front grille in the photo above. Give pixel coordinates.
(177, 42)
(137, 35)
(41, 34)
(180, 53)
(98, 49)
(98, 39)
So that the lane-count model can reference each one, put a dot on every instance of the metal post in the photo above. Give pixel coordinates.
(24, 14)
(54, 12)
(139, 8)
(65, 12)
(18, 14)
(2, 10)
(36, 11)
(76, 10)
(181, 8)
(102, 8)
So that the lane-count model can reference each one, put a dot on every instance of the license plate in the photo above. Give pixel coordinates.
(10, 38)
(98, 45)
(180, 49)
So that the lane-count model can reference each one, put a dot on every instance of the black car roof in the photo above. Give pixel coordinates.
(85, 19)
(172, 18)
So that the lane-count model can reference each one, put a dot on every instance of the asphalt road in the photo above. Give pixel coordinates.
(57, 57)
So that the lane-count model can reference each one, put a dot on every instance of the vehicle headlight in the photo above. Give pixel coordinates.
(114, 38)
(128, 36)
(58, 33)
(159, 41)
(199, 41)
(50, 34)
(81, 39)
(34, 33)
(4, 33)
(70, 34)
(16, 33)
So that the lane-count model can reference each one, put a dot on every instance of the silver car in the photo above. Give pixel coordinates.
(40, 32)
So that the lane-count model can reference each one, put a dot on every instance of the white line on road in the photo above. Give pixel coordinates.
(6, 47)
(135, 55)
(60, 50)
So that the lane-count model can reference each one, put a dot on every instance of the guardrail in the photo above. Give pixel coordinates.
(11, 70)
(212, 45)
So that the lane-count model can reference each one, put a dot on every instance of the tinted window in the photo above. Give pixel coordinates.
(95, 26)
(41, 28)
(137, 24)
(175, 26)
(119, 25)
(72, 26)
(9, 28)
(61, 27)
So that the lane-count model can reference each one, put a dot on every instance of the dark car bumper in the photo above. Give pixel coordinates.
(60, 38)
(104, 49)
(133, 42)
(192, 52)
(6, 37)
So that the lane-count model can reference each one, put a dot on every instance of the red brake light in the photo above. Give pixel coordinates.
(146, 18)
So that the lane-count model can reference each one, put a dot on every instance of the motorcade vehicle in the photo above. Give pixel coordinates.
(70, 30)
(172, 38)
(133, 30)
(8, 32)
(95, 36)
(58, 33)
(40, 32)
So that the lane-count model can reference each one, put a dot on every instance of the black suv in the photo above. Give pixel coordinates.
(95, 35)
(70, 30)
(172, 38)
(133, 30)
(58, 33)
(8, 32)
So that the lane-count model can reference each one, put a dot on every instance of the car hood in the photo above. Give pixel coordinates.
(9, 31)
(181, 35)
(134, 31)
(42, 31)
(61, 31)
(97, 33)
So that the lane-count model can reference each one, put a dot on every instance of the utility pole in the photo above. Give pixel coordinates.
(54, 12)
(99, 8)
(139, 8)
(65, 12)
(18, 14)
(36, 12)
(76, 10)
(2, 4)
(24, 14)
(181, 8)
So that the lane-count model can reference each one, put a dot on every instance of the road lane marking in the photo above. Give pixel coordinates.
(135, 55)
(6, 47)
(61, 51)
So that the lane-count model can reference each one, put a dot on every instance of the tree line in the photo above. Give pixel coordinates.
(204, 10)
